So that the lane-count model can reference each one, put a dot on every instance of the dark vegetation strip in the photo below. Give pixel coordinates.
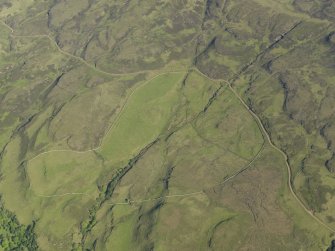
(212, 231)
(160, 201)
(287, 162)
(268, 48)
(111, 185)
(110, 189)
(52, 86)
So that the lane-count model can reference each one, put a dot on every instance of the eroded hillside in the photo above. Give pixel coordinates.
(167, 125)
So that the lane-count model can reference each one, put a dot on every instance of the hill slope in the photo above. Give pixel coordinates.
(167, 125)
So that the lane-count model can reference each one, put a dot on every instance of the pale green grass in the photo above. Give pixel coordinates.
(314, 231)
(13, 181)
(62, 186)
(198, 89)
(122, 237)
(178, 216)
(63, 172)
(143, 118)
(228, 124)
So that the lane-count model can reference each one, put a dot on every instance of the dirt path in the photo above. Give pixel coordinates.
(7, 26)
(152, 199)
(79, 58)
(172, 195)
(76, 57)
(308, 211)
(113, 124)
(60, 195)
(196, 192)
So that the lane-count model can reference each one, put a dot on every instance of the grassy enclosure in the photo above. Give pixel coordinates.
(167, 125)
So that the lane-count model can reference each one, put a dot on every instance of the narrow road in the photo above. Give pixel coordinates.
(113, 124)
(60, 195)
(76, 57)
(7, 26)
(203, 190)
(79, 58)
(308, 211)
(193, 193)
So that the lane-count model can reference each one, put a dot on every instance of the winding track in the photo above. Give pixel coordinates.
(308, 211)
(256, 117)
(113, 124)
(74, 56)
(197, 192)
(61, 195)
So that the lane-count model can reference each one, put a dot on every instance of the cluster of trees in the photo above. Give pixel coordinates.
(332, 246)
(13, 235)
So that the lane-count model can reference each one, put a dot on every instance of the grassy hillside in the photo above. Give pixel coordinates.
(167, 125)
